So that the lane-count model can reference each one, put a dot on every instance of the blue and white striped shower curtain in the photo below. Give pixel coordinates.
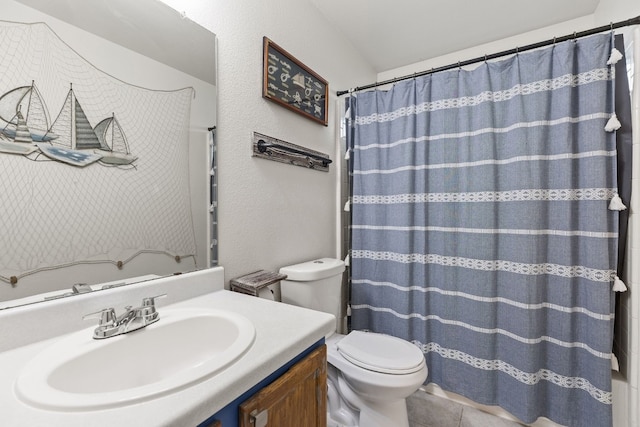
(482, 229)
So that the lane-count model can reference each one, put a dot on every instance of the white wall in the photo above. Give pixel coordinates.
(607, 11)
(625, 387)
(272, 214)
(531, 37)
(628, 320)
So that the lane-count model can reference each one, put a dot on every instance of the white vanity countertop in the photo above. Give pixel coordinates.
(282, 332)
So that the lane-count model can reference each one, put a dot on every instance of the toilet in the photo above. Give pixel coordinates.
(370, 375)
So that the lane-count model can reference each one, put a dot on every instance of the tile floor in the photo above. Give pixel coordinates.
(427, 410)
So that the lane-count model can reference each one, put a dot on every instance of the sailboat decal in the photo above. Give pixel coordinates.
(74, 132)
(24, 119)
(23, 135)
(25, 128)
(113, 142)
(72, 126)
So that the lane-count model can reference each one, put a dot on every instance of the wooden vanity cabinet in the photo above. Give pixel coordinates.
(297, 398)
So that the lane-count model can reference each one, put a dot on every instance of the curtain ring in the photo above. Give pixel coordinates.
(485, 57)
(574, 37)
(611, 25)
(554, 40)
(517, 50)
(459, 66)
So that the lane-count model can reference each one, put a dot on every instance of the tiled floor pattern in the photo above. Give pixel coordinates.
(427, 410)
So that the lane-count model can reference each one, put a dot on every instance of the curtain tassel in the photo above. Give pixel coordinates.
(618, 285)
(616, 204)
(347, 206)
(613, 123)
(615, 57)
(615, 366)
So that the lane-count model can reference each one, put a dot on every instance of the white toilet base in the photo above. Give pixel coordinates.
(339, 413)
(368, 413)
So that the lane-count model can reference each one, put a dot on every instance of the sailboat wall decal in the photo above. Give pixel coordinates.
(22, 140)
(74, 134)
(24, 127)
(72, 126)
(85, 136)
(23, 135)
(24, 119)
(114, 147)
(67, 155)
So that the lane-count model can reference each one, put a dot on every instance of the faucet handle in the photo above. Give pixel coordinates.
(151, 301)
(107, 316)
(148, 309)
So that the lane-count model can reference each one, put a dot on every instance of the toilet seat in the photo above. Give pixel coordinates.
(381, 353)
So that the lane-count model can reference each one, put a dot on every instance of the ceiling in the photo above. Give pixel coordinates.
(148, 27)
(392, 34)
(388, 34)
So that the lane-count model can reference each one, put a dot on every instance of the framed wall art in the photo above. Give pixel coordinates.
(288, 82)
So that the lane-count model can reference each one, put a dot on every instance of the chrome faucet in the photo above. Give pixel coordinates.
(132, 319)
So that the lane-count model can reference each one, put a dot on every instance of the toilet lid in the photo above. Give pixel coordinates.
(381, 353)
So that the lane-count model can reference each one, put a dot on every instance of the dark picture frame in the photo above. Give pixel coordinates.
(293, 85)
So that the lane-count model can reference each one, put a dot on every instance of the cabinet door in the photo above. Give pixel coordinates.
(297, 398)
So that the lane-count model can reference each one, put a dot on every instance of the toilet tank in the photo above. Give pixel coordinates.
(316, 285)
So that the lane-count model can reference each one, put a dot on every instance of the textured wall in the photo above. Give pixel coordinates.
(273, 214)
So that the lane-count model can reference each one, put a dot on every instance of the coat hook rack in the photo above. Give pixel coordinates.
(270, 148)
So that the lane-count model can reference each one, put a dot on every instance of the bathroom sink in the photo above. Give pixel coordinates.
(184, 347)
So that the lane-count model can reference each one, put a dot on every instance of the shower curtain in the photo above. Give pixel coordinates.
(485, 227)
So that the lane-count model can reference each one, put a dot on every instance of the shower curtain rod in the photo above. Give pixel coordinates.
(575, 35)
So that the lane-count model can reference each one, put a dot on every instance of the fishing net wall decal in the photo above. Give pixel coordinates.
(92, 169)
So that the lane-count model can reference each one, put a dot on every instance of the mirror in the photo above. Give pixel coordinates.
(85, 78)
